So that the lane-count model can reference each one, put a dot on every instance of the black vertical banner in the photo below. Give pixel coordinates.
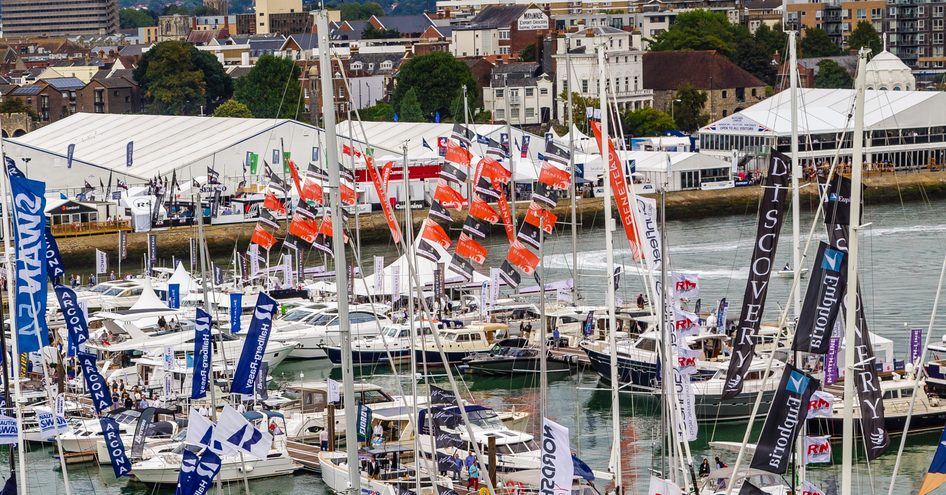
(244, 267)
(218, 274)
(789, 409)
(123, 244)
(193, 254)
(771, 215)
(837, 209)
(822, 301)
(300, 264)
(152, 253)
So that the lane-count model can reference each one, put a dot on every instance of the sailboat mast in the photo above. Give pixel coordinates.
(14, 344)
(351, 161)
(609, 299)
(338, 249)
(409, 251)
(199, 210)
(850, 316)
(571, 167)
(543, 327)
(796, 176)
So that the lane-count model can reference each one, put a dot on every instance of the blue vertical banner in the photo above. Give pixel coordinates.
(29, 224)
(130, 154)
(54, 266)
(200, 481)
(189, 462)
(94, 383)
(203, 353)
(236, 310)
(70, 151)
(254, 346)
(174, 296)
(76, 323)
(116, 448)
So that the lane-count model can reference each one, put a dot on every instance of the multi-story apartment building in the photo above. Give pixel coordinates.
(467, 9)
(501, 32)
(59, 17)
(265, 9)
(520, 94)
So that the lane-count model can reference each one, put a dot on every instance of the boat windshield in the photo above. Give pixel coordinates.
(394, 332)
(485, 418)
(322, 319)
(100, 288)
(114, 291)
(296, 315)
(518, 447)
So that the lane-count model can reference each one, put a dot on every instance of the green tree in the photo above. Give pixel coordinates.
(580, 105)
(832, 75)
(136, 18)
(772, 39)
(15, 105)
(271, 89)
(528, 53)
(863, 35)
(439, 77)
(233, 108)
(751, 55)
(380, 112)
(688, 111)
(175, 9)
(700, 30)
(177, 79)
(817, 43)
(371, 33)
(647, 121)
(357, 11)
(409, 109)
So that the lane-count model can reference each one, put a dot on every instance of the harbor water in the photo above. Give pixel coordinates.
(902, 251)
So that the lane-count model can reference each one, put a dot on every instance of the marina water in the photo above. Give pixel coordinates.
(901, 254)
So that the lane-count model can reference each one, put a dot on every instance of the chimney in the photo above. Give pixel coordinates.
(226, 23)
(245, 59)
(194, 23)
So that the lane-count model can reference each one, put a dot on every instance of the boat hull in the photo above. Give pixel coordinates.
(514, 365)
(365, 358)
(929, 421)
(232, 470)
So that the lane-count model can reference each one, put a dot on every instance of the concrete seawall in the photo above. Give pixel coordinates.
(78, 252)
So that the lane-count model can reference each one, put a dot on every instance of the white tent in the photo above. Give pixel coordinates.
(583, 142)
(183, 278)
(149, 300)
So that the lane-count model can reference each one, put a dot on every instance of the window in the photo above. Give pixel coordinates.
(498, 92)
(690, 179)
(753, 92)
(504, 34)
(892, 11)
(356, 65)
(500, 113)
(545, 91)
(530, 92)
(504, 50)
(921, 10)
(370, 65)
(584, 85)
(938, 10)
(937, 24)
(875, 13)
(862, 13)
(530, 112)
(724, 94)
(387, 65)
(514, 113)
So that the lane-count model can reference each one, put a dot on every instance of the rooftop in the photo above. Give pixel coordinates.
(495, 16)
(704, 69)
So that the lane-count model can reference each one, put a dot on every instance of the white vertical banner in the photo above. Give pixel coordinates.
(101, 262)
(286, 270)
(333, 391)
(379, 274)
(60, 404)
(683, 369)
(817, 449)
(396, 282)
(493, 286)
(484, 294)
(168, 358)
(253, 252)
(646, 219)
(685, 285)
(557, 467)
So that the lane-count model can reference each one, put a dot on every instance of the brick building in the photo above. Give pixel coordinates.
(502, 32)
(50, 99)
(110, 92)
(59, 17)
(728, 87)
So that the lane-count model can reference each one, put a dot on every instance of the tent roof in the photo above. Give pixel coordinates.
(825, 111)
(149, 300)
(182, 277)
(161, 143)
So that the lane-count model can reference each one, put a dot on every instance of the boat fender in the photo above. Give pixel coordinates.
(573, 359)
(514, 487)
(934, 401)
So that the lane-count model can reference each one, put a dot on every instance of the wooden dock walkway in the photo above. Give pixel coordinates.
(573, 355)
